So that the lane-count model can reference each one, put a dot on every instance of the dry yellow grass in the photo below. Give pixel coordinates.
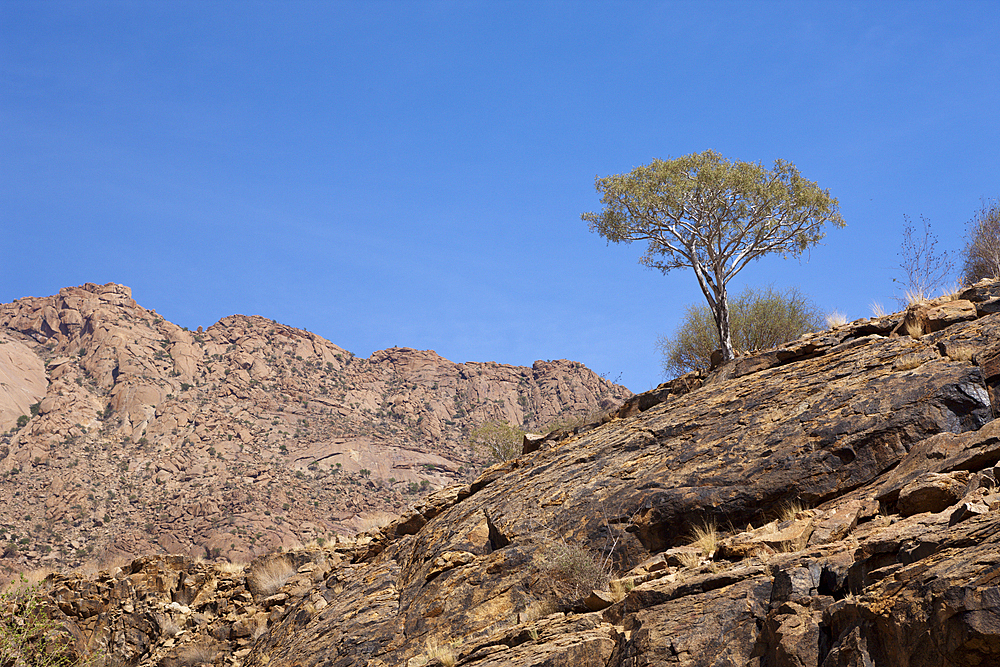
(877, 309)
(436, 652)
(914, 330)
(706, 537)
(620, 588)
(790, 510)
(267, 577)
(835, 319)
(961, 352)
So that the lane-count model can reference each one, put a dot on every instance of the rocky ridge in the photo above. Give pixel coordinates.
(843, 490)
(124, 434)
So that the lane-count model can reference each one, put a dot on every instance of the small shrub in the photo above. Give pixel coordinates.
(498, 439)
(28, 633)
(759, 319)
(576, 568)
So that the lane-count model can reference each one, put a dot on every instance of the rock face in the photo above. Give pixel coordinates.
(144, 438)
(830, 503)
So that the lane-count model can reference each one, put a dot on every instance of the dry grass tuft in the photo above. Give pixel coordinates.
(706, 537)
(266, 578)
(197, 654)
(789, 510)
(228, 567)
(538, 609)
(908, 362)
(961, 352)
(915, 296)
(442, 654)
(168, 626)
(877, 309)
(835, 319)
(620, 588)
(914, 330)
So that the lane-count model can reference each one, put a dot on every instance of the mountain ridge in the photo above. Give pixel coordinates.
(126, 416)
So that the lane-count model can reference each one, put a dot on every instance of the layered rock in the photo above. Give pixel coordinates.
(833, 502)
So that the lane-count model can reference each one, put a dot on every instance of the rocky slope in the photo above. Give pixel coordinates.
(125, 435)
(842, 489)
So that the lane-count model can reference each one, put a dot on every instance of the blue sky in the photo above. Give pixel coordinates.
(413, 173)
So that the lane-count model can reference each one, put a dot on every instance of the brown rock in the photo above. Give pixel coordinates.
(932, 492)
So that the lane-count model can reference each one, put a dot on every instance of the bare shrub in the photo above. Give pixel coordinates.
(982, 246)
(268, 576)
(924, 268)
(759, 319)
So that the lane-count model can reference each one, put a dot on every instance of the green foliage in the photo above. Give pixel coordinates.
(982, 247)
(22, 421)
(498, 439)
(29, 635)
(760, 319)
(704, 212)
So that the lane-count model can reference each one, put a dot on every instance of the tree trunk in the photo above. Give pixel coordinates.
(722, 324)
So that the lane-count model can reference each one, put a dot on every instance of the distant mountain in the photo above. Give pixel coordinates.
(124, 434)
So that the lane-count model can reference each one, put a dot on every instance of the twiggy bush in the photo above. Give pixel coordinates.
(759, 319)
(576, 569)
(982, 247)
(924, 268)
(30, 636)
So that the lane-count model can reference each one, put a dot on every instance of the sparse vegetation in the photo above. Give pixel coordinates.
(575, 568)
(835, 319)
(924, 268)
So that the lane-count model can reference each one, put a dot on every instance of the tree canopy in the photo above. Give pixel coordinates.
(715, 216)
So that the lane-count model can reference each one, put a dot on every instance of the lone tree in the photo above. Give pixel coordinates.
(714, 216)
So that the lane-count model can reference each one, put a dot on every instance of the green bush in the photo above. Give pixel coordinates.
(982, 247)
(498, 439)
(760, 319)
(29, 635)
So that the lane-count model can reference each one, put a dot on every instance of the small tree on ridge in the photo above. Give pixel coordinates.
(703, 212)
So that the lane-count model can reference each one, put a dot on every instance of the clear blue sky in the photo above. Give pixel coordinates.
(413, 173)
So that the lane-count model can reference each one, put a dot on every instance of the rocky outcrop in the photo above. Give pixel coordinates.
(834, 502)
(137, 436)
